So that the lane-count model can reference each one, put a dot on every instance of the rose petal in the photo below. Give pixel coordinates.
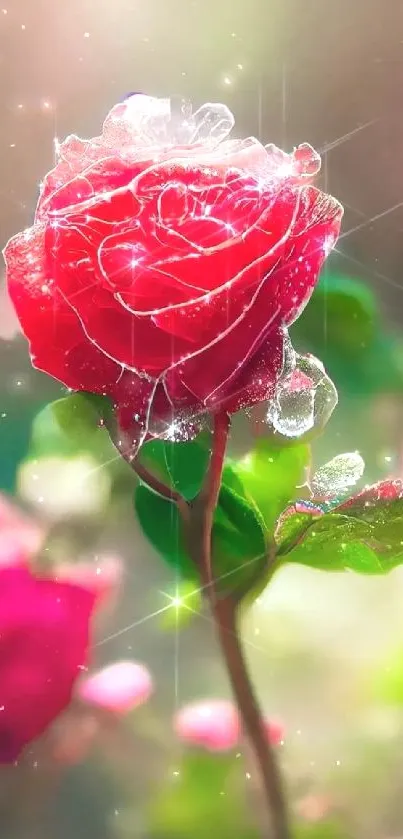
(161, 248)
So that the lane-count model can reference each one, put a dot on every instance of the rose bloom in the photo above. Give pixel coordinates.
(166, 261)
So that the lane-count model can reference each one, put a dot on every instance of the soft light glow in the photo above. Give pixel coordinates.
(65, 486)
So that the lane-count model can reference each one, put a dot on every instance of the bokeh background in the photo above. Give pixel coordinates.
(321, 647)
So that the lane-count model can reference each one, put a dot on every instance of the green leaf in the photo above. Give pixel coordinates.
(290, 530)
(238, 539)
(182, 465)
(244, 516)
(69, 426)
(271, 476)
(161, 523)
(76, 416)
(365, 539)
(198, 801)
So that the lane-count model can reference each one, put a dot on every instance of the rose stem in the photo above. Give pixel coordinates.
(125, 449)
(224, 610)
(198, 521)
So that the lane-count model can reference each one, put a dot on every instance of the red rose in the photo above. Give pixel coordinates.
(44, 636)
(165, 262)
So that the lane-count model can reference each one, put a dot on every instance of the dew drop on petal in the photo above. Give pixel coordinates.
(340, 473)
(292, 412)
(305, 396)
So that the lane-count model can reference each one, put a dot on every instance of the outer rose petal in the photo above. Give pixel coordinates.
(120, 687)
(44, 636)
(49, 323)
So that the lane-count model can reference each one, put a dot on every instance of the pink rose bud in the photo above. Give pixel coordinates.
(119, 688)
(213, 724)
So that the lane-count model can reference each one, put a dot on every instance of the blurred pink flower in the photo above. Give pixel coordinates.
(21, 537)
(215, 725)
(274, 731)
(44, 640)
(44, 647)
(212, 723)
(104, 576)
(119, 688)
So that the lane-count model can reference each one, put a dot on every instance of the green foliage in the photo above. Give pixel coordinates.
(341, 326)
(70, 426)
(323, 829)
(199, 803)
(160, 521)
(342, 314)
(182, 465)
(366, 538)
(271, 474)
(291, 530)
(387, 680)
(238, 538)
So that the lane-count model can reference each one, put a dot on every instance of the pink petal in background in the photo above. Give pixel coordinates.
(214, 725)
(119, 688)
(103, 576)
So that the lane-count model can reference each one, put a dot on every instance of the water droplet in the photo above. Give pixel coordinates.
(292, 411)
(339, 474)
(305, 396)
